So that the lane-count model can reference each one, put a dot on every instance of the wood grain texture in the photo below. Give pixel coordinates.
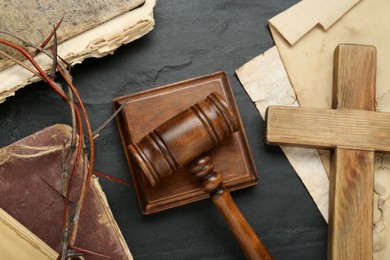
(354, 77)
(212, 182)
(351, 205)
(329, 128)
(356, 131)
(146, 110)
(251, 244)
(182, 138)
(352, 176)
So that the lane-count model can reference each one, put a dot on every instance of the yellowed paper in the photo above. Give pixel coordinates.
(307, 52)
(309, 61)
(102, 40)
(266, 81)
(296, 22)
(17, 16)
(17, 242)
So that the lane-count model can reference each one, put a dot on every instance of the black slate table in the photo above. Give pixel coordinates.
(190, 39)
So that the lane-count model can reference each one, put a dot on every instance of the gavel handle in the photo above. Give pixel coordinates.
(251, 244)
(212, 182)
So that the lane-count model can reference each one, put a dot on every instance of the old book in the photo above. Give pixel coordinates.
(89, 29)
(30, 188)
(16, 241)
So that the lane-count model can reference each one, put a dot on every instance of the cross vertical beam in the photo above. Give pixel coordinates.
(351, 188)
(354, 131)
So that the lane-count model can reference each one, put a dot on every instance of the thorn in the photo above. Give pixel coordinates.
(72, 204)
(54, 50)
(46, 41)
(102, 126)
(85, 251)
(113, 179)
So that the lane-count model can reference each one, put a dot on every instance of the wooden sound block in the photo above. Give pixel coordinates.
(146, 110)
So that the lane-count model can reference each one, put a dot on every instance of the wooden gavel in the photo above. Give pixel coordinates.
(181, 141)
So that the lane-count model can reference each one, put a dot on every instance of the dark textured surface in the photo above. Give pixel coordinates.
(191, 38)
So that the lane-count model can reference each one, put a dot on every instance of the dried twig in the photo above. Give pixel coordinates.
(32, 45)
(87, 123)
(58, 193)
(95, 133)
(86, 180)
(54, 50)
(80, 204)
(73, 116)
(71, 223)
(46, 41)
(24, 52)
(20, 64)
(111, 178)
(74, 168)
(77, 115)
(88, 252)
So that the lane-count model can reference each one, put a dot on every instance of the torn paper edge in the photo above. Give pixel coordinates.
(307, 14)
(266, 82)
(97, 42)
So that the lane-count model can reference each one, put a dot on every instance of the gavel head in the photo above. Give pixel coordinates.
(184, 137)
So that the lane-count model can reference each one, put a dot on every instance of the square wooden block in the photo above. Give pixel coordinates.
(146, 110)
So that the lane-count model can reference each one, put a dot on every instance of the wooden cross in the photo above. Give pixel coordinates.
(354, 131)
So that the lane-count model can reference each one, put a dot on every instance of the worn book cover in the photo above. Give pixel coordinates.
(88, 29)
(31, 188)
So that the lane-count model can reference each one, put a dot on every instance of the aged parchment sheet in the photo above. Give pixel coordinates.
(266, 81)
(306, 36)
(17, 242)
(309, 61)
(102, 40)
(34, 20)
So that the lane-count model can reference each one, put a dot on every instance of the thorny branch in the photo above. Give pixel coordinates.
(6, 55)
(75, 153)
(54, 50)
(96, 133)
(47, 40)
(28, 56)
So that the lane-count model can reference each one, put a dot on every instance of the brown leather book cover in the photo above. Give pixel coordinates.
(30, 187)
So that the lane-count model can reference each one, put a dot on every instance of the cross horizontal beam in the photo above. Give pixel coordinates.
(328, 128)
